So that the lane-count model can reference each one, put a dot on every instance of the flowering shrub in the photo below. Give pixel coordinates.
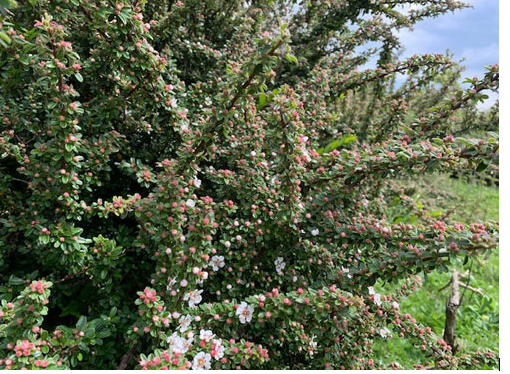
(231, 163)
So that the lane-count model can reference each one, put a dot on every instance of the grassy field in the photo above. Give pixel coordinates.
(478, 316)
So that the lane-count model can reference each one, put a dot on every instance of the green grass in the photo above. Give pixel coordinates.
(478, 316)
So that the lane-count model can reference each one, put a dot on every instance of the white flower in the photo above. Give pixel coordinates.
(377, 299)
(184, 127)
(384, 332)
(173, 102)
(346, 271)
(218, 350)
(186, 344)
(190, 203)
(193, 298)
(197, 182)
(244, 312)
(172, 339)
(395, 305)
(253, 153)
(176, 343)
(227, 244)
(307, 156)
(313, 345)
(206, 335)
(315, 232)
(217, 262)
(184, 322)
(280, 265)
(171, 283)
(201, 361)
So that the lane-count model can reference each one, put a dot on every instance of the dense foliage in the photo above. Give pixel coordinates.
(204, 183)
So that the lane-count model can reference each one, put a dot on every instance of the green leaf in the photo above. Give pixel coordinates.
(291, 58)
(333, 145)
(7, 4)
(124, 16)
(113, 312)
(4, 38)
(481, 167)
(262, 99)
(81, 323)
(343, 141)
(346, 139)
(15, 281)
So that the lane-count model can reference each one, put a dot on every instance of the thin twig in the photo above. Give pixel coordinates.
(467, 284)
(70, 276)
(126, 358)
(468, 287)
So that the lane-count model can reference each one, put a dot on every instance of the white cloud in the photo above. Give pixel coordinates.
(419, 40)
(483, 55)
(483, 3)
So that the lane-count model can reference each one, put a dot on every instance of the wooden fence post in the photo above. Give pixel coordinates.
(452, 305)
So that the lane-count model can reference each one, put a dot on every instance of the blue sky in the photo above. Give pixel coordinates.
(471, 34)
